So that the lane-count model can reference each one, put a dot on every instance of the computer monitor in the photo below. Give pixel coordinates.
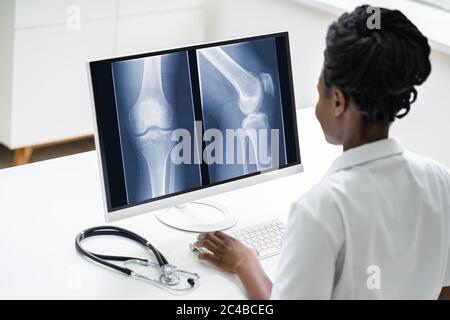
(178, 125)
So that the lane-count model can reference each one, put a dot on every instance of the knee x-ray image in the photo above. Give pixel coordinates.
(153, 97)
(226, 98)
(240, 90)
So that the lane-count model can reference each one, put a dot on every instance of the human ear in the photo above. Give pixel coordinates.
(339, 102)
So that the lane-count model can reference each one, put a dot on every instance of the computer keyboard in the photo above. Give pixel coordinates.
(265, 237)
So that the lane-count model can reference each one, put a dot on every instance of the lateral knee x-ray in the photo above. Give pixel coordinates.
(232, 90)
(240, 91)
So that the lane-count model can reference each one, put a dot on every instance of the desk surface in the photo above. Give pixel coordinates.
(44, 205)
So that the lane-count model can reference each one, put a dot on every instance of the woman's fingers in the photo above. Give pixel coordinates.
(208, 244)
(208, 257)
(210, 236)
(222, 235)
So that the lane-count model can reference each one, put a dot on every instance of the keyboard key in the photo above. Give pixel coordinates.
(265, 238)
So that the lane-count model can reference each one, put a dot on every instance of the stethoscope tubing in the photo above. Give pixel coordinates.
(119, 232)
(162, 264)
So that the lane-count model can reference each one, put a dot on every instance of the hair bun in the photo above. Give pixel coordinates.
(377, 68)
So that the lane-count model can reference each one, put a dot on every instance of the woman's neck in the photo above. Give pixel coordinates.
(358, 136)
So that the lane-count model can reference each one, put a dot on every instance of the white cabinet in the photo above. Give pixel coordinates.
(130, 7)
(44, 93)
(35, 13)
(50, 93)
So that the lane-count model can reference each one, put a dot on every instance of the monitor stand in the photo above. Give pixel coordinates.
(196, 216)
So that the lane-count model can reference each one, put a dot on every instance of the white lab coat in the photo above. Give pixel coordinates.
(376, 227)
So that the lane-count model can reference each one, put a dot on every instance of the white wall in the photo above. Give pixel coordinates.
(425, 130)
(307, 28)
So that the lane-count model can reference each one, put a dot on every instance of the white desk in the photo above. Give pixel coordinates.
(44, 205)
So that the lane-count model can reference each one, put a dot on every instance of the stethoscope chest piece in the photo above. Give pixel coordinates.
(171, 280)
(168, 276)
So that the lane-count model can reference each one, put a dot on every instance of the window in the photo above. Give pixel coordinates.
(441, 4)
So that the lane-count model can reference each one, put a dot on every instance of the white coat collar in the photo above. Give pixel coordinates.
(366, 153)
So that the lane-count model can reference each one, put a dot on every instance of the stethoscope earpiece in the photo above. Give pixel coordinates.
(191, 282)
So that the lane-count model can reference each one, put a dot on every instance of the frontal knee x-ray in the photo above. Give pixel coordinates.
(153, 98)
(240, 94)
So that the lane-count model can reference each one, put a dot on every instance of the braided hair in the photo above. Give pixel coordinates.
(377, 68)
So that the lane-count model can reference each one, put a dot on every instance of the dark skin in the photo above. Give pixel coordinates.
(342, 124)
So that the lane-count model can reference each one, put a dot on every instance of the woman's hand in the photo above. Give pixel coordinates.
(231, 255)
(226, 253)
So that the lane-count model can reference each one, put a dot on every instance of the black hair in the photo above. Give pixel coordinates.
(377, 68)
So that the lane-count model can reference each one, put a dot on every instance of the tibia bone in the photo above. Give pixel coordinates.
(248, 87)
(149, 121)
(259, 125)
(155, 147)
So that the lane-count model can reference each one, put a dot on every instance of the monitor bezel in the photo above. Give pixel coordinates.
(202, 191)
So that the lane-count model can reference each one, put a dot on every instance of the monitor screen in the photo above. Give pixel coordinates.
(180, 120)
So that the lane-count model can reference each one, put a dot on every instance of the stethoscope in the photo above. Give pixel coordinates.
(171, 278)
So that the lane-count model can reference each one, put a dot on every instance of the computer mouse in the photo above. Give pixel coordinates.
(196, 249)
